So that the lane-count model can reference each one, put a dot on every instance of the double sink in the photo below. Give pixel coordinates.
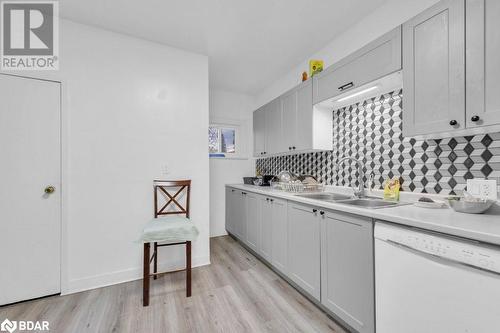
(365, 202)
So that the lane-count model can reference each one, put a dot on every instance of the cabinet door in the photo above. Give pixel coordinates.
(279, 249)
(375, 60)
(274, 133)
(483, 65)
(259, 132)
(304, 109)
(266, 235)
(347, 272)
(304, 248)
(240, 215)
(434, 70)
(289, 114)
(253, 220)
(230, 193)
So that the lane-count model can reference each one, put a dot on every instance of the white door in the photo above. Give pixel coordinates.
(30, 222)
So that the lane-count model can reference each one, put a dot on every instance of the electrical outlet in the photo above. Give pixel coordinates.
(164, 170)
(482, 188)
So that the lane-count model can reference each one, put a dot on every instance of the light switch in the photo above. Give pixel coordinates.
(482, 188)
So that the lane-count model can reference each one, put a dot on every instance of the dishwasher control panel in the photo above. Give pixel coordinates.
(455, 249)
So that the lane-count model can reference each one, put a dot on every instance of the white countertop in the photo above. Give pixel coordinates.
(481, 227)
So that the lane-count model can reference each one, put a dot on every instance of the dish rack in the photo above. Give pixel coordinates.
(297, 187)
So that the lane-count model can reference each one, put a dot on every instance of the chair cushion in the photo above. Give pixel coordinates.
(170, 229)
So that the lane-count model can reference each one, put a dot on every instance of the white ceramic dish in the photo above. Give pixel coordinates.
(434, 205)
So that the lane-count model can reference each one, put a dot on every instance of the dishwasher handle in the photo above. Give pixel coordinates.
(436, 258)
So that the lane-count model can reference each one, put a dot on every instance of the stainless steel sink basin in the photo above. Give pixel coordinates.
(324, 196)
(370, 203)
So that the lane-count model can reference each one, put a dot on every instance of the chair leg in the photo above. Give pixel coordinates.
(145, 279)
(188, 269)
(155, 267)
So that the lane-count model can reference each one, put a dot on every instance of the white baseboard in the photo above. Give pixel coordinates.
(111, 278)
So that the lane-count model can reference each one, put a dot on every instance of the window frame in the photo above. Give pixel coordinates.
(240, 138)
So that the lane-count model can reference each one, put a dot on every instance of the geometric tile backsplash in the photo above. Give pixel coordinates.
(371, 131)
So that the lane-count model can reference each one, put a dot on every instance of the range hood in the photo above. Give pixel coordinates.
(375, 88)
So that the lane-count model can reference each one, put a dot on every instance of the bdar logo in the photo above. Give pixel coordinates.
(8, 326)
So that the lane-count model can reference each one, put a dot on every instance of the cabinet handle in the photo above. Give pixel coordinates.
(346, 86)
(244, 193)
(267, 199)
(453, 122)
(293, 147)
(271, 200)
(322, 212)
(315, 210)
(474, 118)
(232, 190)
(289, 148)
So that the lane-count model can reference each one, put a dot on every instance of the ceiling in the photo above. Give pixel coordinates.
(249, 43)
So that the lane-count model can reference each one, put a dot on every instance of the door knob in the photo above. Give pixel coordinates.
(50, 189)
(474, 118)
(453, 122)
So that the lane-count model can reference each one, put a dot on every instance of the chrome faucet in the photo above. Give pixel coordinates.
(359, 192)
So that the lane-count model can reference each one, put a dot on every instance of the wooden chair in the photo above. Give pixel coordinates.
(168, 228)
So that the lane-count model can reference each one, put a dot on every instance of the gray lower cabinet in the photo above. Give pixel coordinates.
(253, 220)
(279, 231)
(304, 247)
(347, 271)
(230, 210)
(240, 215)
(434, 70)
(266, 230)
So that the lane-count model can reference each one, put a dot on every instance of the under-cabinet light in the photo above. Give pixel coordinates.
(357, 93)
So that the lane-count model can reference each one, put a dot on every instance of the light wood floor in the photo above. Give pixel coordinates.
(236, 293)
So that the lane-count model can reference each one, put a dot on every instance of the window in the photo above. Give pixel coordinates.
(221, 141)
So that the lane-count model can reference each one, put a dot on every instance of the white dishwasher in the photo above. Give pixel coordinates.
(430, 283)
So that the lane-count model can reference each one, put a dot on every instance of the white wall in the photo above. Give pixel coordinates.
(382, 20)
(228, 107)
(130, 108)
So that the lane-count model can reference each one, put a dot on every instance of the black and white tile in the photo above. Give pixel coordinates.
(371, 131)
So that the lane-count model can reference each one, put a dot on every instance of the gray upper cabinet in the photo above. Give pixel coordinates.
(347, 271)
(289, 113)
(279, 222)
(293, 124)
(298, 117)
(482, 65)
(259, 132)
(375, 60)
(253, 220)
(304, 247)
(274, 127)
(434, 70)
